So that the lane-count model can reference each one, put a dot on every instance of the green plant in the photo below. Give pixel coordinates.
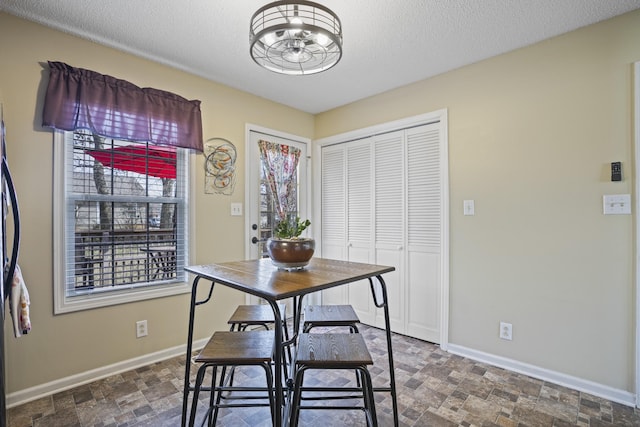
(291, 228)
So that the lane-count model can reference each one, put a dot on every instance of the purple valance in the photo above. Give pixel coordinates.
(82, 99)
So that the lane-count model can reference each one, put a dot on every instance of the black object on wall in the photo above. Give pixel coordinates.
(616, 171)
(8, 198)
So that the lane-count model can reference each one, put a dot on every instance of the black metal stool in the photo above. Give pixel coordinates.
(231, 349)
(333, 351)
(330, 315)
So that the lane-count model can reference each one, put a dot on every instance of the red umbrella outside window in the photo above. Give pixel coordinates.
(153, 160)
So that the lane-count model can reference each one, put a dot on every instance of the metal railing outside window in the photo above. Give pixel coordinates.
(125, 214)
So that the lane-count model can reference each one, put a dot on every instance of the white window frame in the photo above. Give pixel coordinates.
(66, 304)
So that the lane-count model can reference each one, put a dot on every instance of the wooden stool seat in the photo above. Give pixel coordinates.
(340, 350)
(230, 349)
(333, 351)
(260, 315)
(254, 315)
(330, 316)
(233, 348)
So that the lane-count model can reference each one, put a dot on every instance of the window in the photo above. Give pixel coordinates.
(121, 220)
(121, 206)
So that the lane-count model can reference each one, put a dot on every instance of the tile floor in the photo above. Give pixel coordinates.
(434, 389)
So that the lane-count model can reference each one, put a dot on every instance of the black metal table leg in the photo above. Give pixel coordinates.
(187, 366)
(392, 377)
(279, 407)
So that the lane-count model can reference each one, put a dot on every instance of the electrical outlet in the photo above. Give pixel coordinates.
(141, 329)
(506, 331)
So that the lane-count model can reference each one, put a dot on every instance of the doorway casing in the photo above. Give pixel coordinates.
(636, 122)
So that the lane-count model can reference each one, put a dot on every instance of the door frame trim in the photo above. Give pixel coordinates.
(636, 124)
(422, 119)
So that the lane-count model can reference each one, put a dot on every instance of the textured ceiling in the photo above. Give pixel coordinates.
(387, 44)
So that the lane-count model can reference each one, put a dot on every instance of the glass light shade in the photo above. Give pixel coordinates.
(296, 38)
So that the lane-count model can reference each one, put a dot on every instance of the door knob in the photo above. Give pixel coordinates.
(254, 240)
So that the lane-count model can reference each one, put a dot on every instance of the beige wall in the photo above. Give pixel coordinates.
(64, 345)
(531, 136)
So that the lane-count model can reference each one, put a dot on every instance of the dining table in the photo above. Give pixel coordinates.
(262, 279)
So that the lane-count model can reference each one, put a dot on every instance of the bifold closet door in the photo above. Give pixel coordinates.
(381, 204)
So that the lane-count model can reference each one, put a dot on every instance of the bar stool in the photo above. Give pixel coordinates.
(224, 349)
(330, 315)
(260, 315)
(255, 315)
(333, 351)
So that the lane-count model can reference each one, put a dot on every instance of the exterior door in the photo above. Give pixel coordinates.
(260, 213)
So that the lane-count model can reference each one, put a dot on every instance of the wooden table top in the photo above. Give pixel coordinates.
(261, 278)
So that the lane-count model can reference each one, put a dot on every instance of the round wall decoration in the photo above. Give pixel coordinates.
(219, 166)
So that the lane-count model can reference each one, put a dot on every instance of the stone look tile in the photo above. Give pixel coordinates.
(67, 417)
(481, 409)
(435, 389)
(557, 410)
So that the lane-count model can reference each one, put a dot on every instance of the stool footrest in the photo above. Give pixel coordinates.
(320, 398)
(336, 407)
(331, 389)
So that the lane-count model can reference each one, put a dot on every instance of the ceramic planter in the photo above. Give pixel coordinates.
(290, 253)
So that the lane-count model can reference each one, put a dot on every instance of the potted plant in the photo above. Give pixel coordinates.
(286, 248)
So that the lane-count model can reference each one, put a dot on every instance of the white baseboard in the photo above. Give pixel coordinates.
(47, 389)
(616, 395)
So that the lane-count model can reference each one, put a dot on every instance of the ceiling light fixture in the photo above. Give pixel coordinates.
(295, 38)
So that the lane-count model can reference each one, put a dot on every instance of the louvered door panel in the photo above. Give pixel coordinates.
(423, 186)
(333, 184)
(333, 196)
(423, 232)
(389, 220)
(359, 197)
(359, 228)
(389, 182)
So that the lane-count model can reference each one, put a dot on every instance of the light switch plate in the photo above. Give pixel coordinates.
(469, 207)
(236, 209)
(616, 204)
